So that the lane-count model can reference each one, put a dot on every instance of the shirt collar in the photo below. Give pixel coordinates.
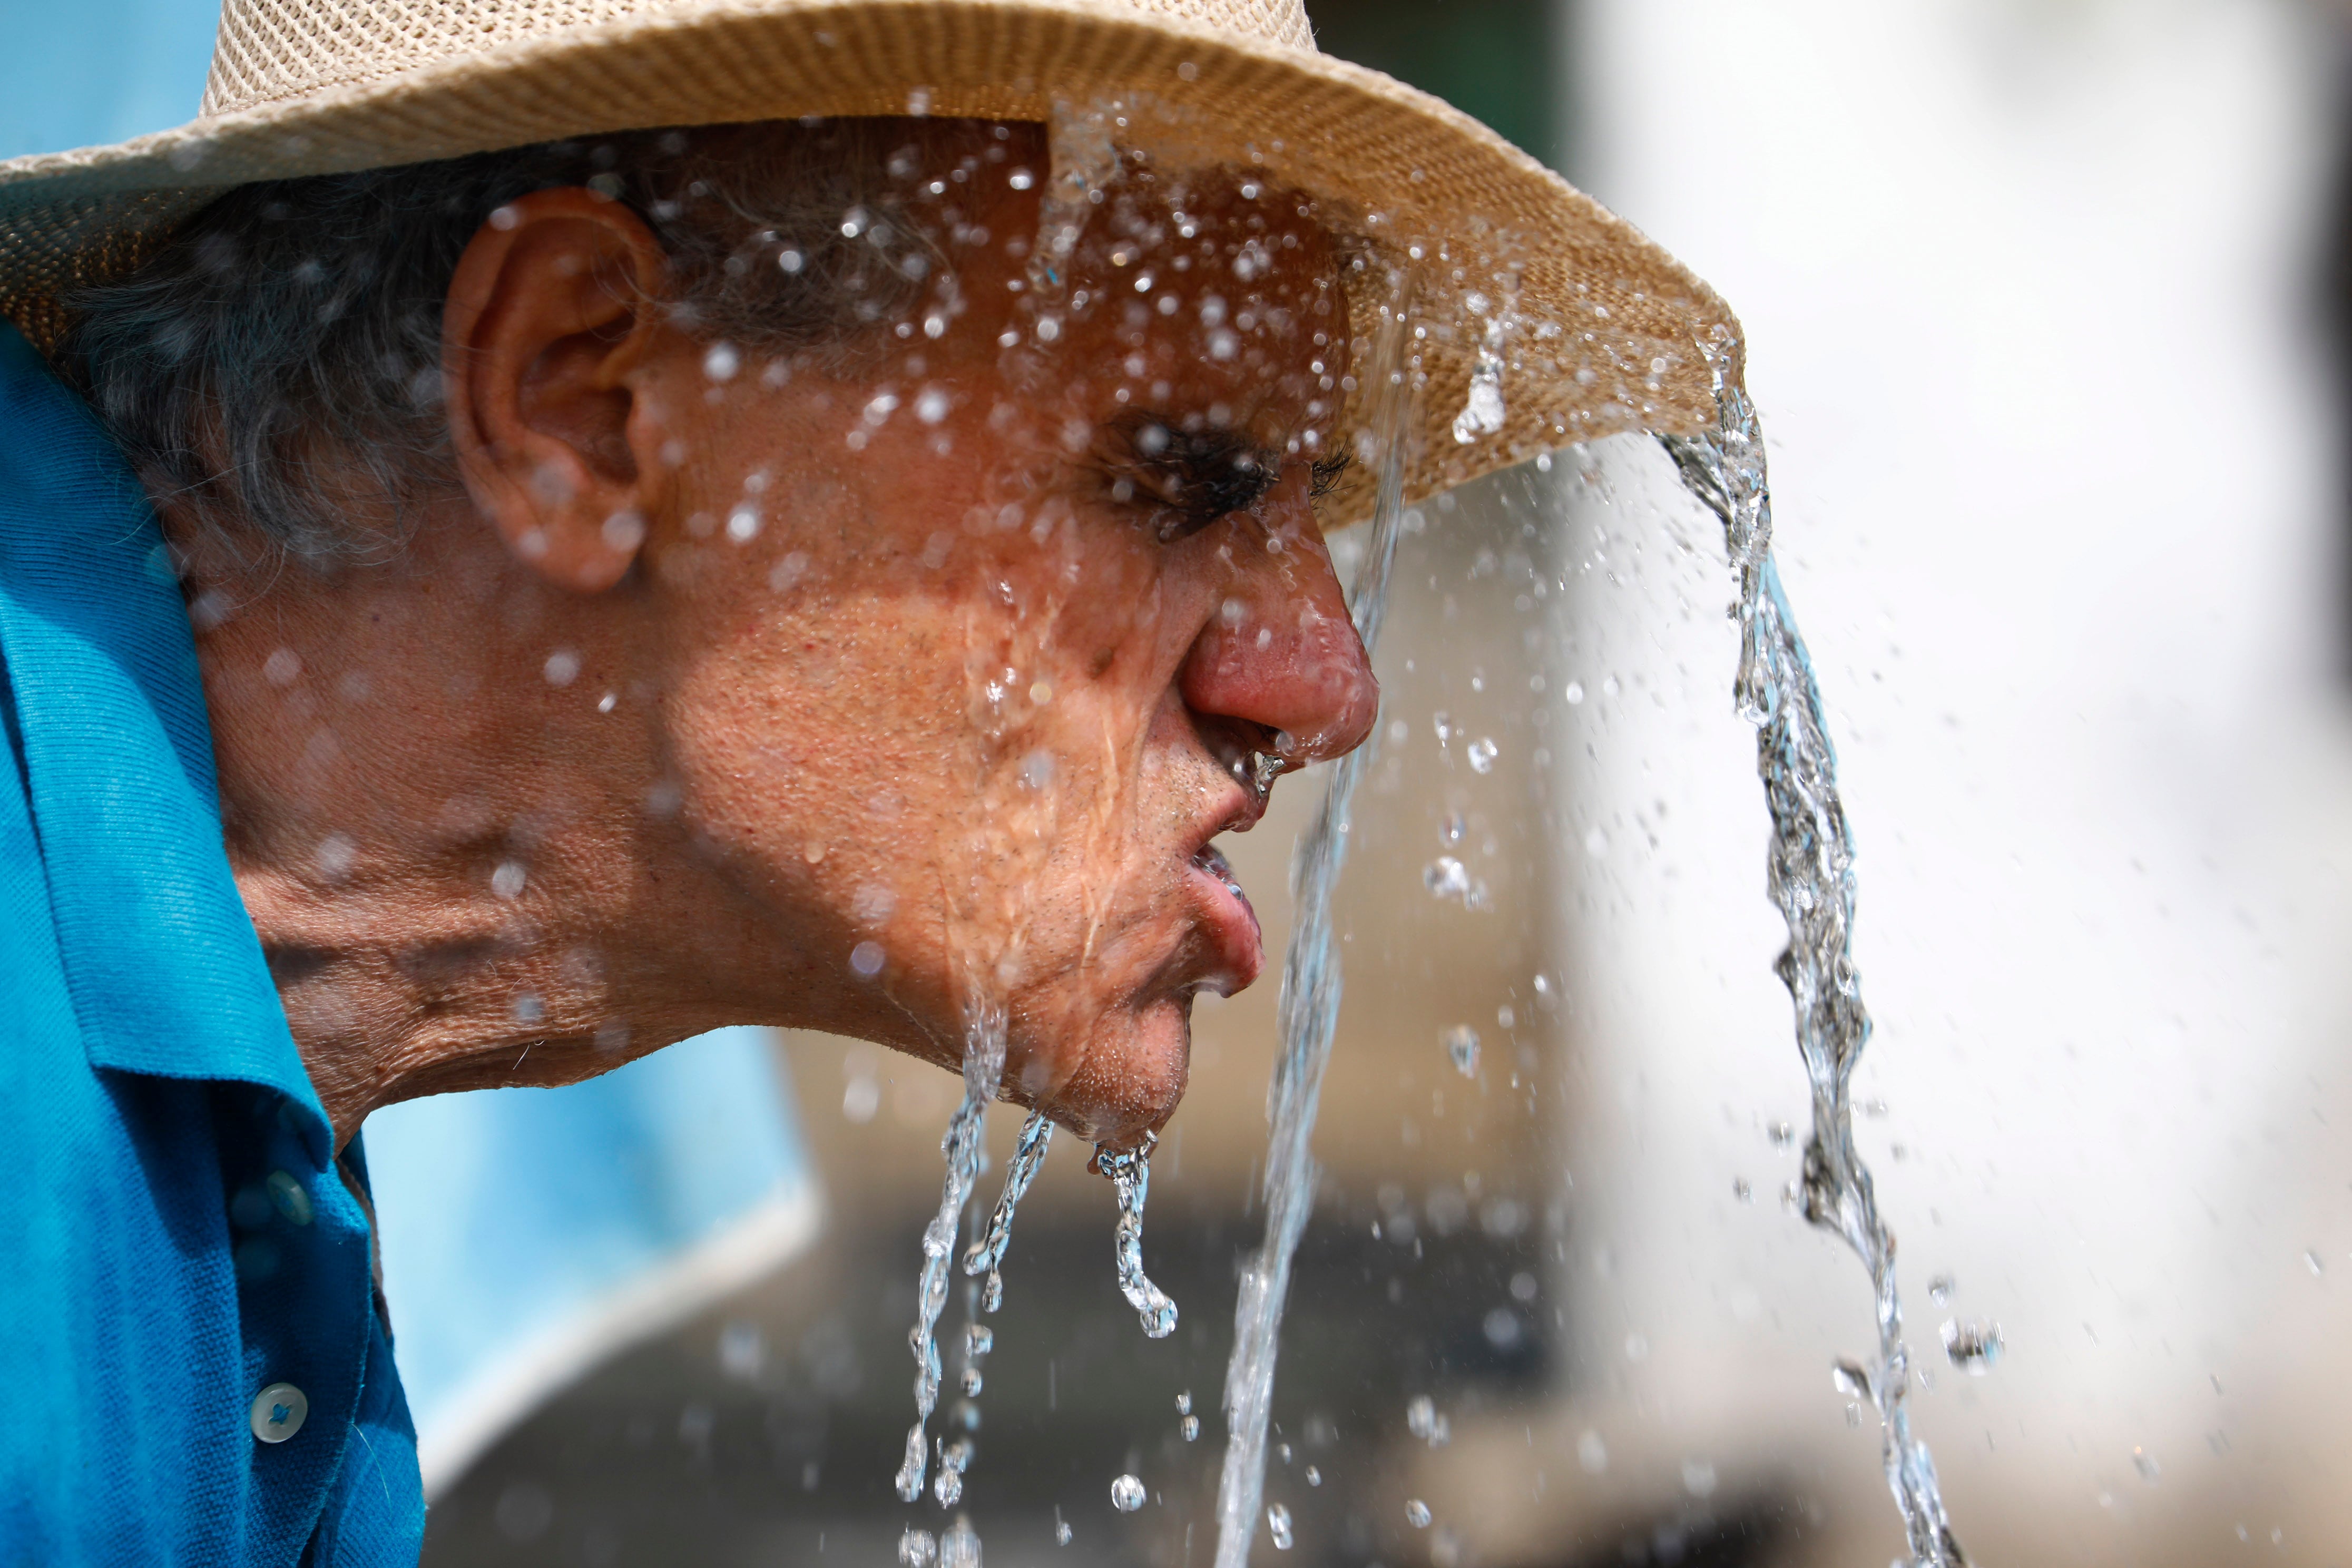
(165, 972)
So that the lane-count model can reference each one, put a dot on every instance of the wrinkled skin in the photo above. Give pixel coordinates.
(952, 647)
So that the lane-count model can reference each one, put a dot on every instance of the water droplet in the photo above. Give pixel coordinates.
(959, 1546)
(1502, 1328)
(561, 668)
(1596, 843)
(947, 1485)
(866, 960)
(335, 855)
(1314, 1477)
(1452, 829)
(1061, 1529)
(1781, 1134)
(1940, 1289)
(1849, 1379)
(1446, 878)
(1971, 1344)
(1191, 1427)
(1278, 1524)
(2145, 1463)
(1443, 726)
(1021, 179)
(1698, 1478)
(1592, 1453)
(1482, 753)
(1740, 1190)
(720, 361)
(1505, 1017)
(1462, 1049)
(1416, 1513)
(918, 1549)
(1574, 693)
(507, 880)
(1126, 1494)
(2311, 1261)
(931, 404)
(1421, 1416)
(1184, 1403)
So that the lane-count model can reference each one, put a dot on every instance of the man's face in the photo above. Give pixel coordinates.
(971, 644)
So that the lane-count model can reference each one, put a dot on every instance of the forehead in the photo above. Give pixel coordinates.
(1211, 295)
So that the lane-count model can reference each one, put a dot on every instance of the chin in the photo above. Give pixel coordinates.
(1130, 1070)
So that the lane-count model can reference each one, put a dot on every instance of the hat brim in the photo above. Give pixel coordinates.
(1611, 330)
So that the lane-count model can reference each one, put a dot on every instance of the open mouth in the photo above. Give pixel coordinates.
(1212, 859)
(1235, 942)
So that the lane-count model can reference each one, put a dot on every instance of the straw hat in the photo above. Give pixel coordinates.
(1607, 328)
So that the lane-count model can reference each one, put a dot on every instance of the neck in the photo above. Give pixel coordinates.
(445, 812)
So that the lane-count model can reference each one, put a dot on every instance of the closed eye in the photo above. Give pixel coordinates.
(1185, 480)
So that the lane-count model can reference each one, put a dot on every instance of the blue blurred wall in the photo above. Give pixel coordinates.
(80, 72)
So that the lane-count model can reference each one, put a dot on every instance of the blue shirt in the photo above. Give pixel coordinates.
(176, 1235)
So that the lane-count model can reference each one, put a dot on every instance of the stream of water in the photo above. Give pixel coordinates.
(1811, 878)
(1309, 1007)
(983, 1073)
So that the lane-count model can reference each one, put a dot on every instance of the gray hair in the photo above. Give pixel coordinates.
(277, 363)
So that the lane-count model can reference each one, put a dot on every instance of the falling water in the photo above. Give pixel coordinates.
(1811, 875)
(1130, 1173)
(987, 1254)
(983, 1070)
(1309, 1010)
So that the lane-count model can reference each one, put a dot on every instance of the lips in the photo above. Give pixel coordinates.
(1212, 860)
(1236, 943)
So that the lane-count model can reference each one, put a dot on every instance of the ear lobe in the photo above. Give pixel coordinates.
(550, 312)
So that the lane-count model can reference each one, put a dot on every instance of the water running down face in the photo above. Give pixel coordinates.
(962, 650)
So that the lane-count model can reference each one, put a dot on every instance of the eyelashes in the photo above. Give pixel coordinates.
(1187, 479)
(1329, 472)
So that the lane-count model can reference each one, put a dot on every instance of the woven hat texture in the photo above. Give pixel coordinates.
(1602, 329)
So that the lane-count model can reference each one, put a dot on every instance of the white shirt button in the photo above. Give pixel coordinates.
(287, 1196)
(278, 1412)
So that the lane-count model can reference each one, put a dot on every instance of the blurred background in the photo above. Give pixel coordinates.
(2047, 303)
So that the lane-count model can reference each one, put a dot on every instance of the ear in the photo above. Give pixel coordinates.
(552, 311)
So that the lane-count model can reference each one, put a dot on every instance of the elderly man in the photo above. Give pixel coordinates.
(476, 609)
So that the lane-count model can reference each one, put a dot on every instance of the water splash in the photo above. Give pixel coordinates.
(983, 1071)
(1811, 878)
(1086, 161)
(1482, 411)
(987, 1254)
(1309, 1007)
(1130, 1173)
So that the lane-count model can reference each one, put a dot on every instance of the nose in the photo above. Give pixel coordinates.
(1280, 650)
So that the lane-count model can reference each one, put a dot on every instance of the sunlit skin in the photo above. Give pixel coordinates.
(688, 694)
